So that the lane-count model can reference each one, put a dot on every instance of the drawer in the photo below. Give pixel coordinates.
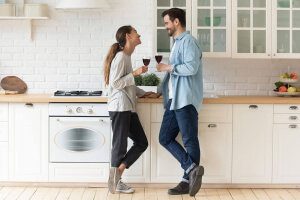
(215, 113)
(3, 112)
(286, 118)
(78, 172)
(287, 108)
(3, 131)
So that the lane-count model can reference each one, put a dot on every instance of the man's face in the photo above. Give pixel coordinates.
(169, 25)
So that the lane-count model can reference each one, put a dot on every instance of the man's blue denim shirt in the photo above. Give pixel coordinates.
(186, 74)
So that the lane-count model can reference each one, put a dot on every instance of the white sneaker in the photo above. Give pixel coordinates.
(123, 188)
(114, 178)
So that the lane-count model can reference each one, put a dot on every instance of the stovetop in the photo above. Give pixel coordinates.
(60, 93)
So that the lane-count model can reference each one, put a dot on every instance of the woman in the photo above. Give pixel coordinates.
(119, 76)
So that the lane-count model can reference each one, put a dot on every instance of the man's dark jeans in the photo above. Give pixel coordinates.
(184, 120)
(126, 124)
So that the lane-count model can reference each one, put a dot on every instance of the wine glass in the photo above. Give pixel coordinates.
(158, 58)
(146, 61)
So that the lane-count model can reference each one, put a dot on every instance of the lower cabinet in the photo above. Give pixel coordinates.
(3, 161)
(216, 151)
(252, 143)
(78, 172)
(28, 142)
(286, 153)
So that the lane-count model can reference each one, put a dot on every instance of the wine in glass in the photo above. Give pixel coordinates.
(146, 61)
(158, 58)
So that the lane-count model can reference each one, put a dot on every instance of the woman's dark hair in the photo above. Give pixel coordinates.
(176, 13)
(114, 49)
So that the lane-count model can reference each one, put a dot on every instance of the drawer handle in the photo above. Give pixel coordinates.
(212, 125)
(28, 105)
(293, 126)
(293, 108)
(253, 107)
(293, 118)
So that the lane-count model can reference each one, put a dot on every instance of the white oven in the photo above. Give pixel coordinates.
(79, 133)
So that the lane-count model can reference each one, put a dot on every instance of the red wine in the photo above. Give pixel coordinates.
(146, 62)
(158, 59)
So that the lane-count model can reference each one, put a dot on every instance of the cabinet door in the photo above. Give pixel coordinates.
(28, 142)
(251, 29)
(3, 161)
(216, 150)
(286, 153)
(212, 27)
(286, 28)
(139, 172)
(164, 167)
(252, 143)
(3, 112)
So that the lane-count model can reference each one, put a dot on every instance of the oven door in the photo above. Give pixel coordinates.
(79, 139)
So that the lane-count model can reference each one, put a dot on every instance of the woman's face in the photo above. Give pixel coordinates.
(134, 37)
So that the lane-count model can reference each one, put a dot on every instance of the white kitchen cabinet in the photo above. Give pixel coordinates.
(3, 161)
(252, 143)
(139, 172)
(251, 28)
(211, 23)
(164, 167)
(286, 151)
(286, 28)
(3, 112)
(28, 142)
(216, 151)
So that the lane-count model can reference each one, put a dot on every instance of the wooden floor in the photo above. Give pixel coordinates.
(32, 193)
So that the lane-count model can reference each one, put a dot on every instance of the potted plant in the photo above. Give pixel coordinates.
(148, 82)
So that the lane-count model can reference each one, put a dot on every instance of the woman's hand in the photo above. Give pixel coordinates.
(140, 71)
(147, 94)
(152, 95)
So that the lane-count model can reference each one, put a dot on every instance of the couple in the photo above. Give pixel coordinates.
(182, 90)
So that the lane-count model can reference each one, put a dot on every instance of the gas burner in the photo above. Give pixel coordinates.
(77, 93)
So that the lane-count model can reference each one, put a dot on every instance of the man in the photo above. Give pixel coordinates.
(182, 90)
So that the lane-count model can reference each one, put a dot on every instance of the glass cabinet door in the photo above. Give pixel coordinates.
(162, 41)
(286, 28)
(212, 26)
(251, 29)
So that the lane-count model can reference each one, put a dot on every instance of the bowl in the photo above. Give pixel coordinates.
(284, 4)
(217, 21)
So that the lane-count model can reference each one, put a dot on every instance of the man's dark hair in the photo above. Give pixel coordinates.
(176, 13)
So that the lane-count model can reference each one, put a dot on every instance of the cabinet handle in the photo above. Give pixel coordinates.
(293, 126)
(253, 107)
(28, 105)
(274, 54)
(293, 118)
(269, 54)
(293, 108)
(212, 125)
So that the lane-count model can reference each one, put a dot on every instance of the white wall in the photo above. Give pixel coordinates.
(69, 49)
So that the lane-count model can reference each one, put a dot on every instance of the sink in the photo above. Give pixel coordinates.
(210, 96)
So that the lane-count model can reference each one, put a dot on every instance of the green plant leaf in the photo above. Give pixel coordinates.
(138, 80)
(151, 80)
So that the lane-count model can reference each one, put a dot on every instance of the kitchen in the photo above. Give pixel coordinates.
(66, 51)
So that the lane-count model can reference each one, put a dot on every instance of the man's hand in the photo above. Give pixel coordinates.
(147, 94)
(154, 95)
(140, 71)
(161, 67)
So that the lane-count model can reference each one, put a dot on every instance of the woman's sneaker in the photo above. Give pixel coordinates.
(123, 188)
(114, 178)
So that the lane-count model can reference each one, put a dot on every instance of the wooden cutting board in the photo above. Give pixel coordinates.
(3, 92)
(13, 83)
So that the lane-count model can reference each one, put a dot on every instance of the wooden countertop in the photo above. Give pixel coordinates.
(45, 98)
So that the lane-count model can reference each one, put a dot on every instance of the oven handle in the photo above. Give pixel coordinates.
(79, 120)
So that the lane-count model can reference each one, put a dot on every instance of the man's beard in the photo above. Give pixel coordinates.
(171, 32)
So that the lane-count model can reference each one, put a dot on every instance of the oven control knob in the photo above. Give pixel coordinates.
(69, 110)
(79, 110)
(89, 111)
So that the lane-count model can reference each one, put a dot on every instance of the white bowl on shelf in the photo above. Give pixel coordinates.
(288, 80)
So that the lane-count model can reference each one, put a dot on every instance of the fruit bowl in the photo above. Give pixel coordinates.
(288, 80)
(288, 93)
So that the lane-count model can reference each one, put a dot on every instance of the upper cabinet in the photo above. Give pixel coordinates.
(162, 41)
(211, 22)
(286, 29)
(251, 29)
